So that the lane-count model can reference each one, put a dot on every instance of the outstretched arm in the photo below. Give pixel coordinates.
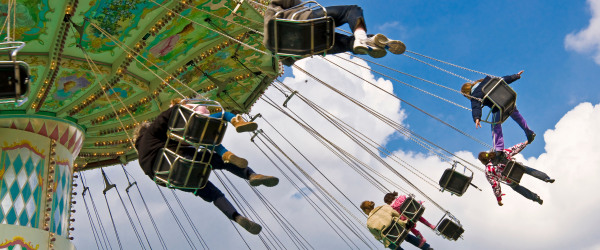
(476, 112)
(511, 78)
(491, 176)
(512, 151)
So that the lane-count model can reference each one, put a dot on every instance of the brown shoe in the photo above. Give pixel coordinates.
(229, 157)
(243, 126)
(259, 179)
(249, 225)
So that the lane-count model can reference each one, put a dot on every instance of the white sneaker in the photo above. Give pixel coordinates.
(367, 46)
(394, 46)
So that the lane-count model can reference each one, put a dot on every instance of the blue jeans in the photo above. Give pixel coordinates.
(210, 192)
(343, 14)
(523, 190)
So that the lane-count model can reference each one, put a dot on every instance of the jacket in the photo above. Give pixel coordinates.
(381, 218)
(279, 5)
(494, 168)
(152, 140)
(477, 92)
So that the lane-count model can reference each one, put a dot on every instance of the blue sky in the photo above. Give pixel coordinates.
(556, 44)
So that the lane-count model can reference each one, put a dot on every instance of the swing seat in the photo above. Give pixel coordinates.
(195, 128)
(513, 171)
(449, 229)
(176, 171)
(455, 182)
(412, 209)
(9, 87)
(395, 233)
(502, 99)
(300, 38)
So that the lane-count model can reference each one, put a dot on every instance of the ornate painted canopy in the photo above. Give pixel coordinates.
(97, 63)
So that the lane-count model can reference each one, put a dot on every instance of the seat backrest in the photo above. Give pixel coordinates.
(8, 82)
(455, 182)
(450, 230)
(513, 171)
(197, 128)
(412, 209)
(179, 171)
(501, 96)
(301, 37)
(395, 233)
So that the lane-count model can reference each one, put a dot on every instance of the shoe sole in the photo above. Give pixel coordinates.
(250, 226)
(239, 162)
(268, 182)
(246, 128)
(394, 46)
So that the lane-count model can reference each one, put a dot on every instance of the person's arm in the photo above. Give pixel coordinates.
(160, 125)
(491, 177)
(512, 151)
(476, 112)
(511, 78)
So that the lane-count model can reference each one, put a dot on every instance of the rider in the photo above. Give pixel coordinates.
(396, 201)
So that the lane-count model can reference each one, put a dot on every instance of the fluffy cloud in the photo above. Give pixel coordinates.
(588, 39)
(566, 220)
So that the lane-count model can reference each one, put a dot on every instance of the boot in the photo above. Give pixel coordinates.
(394, 46)
(259, 179)
(229, 157)
(243, 126)
(530, 137)
(368, 46)
(247, 224)
(549, 180)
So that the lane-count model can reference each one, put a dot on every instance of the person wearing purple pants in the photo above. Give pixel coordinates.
(475, 89)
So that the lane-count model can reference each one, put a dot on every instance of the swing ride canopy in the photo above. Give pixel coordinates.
(107, 65)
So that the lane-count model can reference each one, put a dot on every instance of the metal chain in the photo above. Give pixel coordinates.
(451, 64)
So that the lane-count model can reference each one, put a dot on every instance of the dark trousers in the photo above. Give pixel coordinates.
(210, 192)
(523, 190)
(343, 14)
(412, 240)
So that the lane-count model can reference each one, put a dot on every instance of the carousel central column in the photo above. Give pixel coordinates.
(36, 180)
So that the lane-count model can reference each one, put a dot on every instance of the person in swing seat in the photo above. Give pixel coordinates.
(381, 218)
(395, 202)
(149, 138)
(474, 89)
(359, 43)
(236, 120)
(495, 163)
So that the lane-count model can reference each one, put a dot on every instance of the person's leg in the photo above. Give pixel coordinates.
(413, 240)
(228, 156)
(217, 163)
(518, 118)
(497, 136)
(538, 174)
(344, 14)
(419, 235)
(526, 193)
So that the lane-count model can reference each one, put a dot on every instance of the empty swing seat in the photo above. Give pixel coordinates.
(289, 37)
(455, 182)
(176, 171)
(502, 98)
(9, 88)
(395, 233)
(449, 229)
(195, 128)
(412, 209)
(513, 171)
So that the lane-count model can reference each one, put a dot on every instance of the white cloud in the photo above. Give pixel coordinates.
(588, 39)
(567, 219)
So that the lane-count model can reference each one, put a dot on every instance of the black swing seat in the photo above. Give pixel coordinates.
(289, 37)
(395, 233)
(455, 182)
(176, 171)
(513, 171)
(449, 229)
(10, 86)
(412, 209)
(195, 128)
(501, 97)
